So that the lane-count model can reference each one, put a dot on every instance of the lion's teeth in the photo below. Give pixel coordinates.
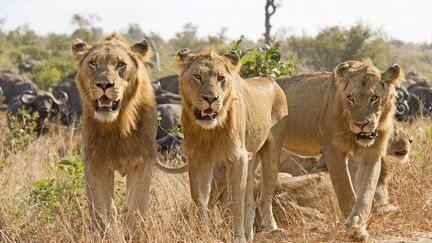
(99, 103)
(110, 103)
(203, 113)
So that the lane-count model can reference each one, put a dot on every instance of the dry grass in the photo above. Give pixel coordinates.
(172, 217)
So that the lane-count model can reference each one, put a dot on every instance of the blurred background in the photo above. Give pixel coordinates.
(315, 35)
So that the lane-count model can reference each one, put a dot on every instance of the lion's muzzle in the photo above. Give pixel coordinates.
(206, 115)
(366, 136)
(105, 104)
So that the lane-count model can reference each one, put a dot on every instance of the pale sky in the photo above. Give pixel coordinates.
(403, 20)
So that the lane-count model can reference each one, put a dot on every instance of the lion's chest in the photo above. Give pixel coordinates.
(116, 152)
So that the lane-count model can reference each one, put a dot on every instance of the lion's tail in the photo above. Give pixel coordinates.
(172, 170)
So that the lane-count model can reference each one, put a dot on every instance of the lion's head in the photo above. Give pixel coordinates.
(399, 144)
(107, 74)
(367, 97)
(206, 83)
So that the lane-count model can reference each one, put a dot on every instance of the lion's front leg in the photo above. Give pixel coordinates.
(218, 189)
(100, 190)
(138, 187)
(236, 181)
(336, 162)
(367, 175)
(250, 204)
(200, 177)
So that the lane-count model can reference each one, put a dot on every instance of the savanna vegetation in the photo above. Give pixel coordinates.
(42, 192)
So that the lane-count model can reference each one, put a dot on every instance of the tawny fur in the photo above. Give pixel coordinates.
(323, 118)
(250, 121)
(126, 144)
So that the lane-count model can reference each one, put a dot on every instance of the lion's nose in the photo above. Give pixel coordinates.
(104, 86)
(410, 140)
(209, 99)
(361, 124)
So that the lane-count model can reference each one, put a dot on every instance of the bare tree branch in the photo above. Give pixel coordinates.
(270, 9)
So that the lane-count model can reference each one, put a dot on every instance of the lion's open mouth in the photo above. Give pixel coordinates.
(402, 152)
(206, 115)
(105, 104)
(366, 136)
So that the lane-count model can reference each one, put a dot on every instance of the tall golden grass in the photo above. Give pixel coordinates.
(24, 216)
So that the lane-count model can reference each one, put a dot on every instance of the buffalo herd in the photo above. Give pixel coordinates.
(19, 93)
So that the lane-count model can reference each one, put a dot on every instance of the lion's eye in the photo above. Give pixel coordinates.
(374, 99)
(221, 78)
(92, 64)
(197, 77)
(121, 65)
(350, 98)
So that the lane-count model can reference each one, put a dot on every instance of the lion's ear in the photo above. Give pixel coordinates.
(233, 58)
(393, 75)
(142, 49)
(79, 48)
(184, 57)
(341, 70)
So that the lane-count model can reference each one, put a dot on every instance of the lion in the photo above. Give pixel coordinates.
(398, 148)
(297, 173)
(349, 111)
(226, 118)
(119, 122)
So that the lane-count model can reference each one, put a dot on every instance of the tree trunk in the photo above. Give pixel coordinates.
(270, 9)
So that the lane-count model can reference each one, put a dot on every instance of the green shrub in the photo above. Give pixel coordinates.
(265, 61)
(50, 72)
(64, 189)
(23, 128)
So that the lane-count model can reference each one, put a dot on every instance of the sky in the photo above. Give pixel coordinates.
(408, 21)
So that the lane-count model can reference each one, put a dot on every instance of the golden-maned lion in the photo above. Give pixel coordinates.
(226, 118)
(345, 112)
(119, 121)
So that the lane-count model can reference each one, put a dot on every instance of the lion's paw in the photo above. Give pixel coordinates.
(357, 233)
(387, 209)
(276, 233)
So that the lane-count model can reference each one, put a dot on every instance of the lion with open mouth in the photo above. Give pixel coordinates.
(119, 122)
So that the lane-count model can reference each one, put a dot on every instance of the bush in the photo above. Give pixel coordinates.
(23, 128)
(263, 62)
(49, 73)
(335, 44)
(64, 189)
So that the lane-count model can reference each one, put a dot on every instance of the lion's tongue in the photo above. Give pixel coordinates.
(105, 101)
(208, 112)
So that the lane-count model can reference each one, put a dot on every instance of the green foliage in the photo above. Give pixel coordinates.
(265, 61)
(176, 129)
(74, 168)
(48, 73)
(23, 128)
(64, 190)
(335, 44)
(45, 193)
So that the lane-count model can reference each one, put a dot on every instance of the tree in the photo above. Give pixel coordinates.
(86, 29)
(335, 44)
(134, 33)
(270, 9)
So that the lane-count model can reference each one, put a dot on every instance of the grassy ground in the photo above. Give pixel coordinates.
(42, 199)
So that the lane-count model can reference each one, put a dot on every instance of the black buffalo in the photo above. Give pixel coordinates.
(14, 84)
(45, 104)
(421, 99)
(170, 83)
(72, 108)
(169, 115)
